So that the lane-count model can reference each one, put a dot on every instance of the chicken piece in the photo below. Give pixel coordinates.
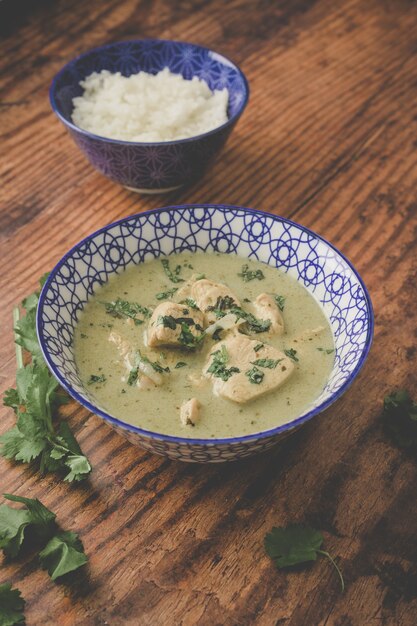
(266, 309)
(208, 294)
(174, 325)
(190, 412)
(240, 373)
(147, 378)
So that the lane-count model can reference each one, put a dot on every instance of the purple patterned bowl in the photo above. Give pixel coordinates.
(160, 166)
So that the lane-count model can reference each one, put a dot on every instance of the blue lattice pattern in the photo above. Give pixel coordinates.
(234, 230)
(151, 166)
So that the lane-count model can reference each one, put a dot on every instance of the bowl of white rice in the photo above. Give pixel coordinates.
(150, 114)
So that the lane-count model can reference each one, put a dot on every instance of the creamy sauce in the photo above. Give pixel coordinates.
(157, 409)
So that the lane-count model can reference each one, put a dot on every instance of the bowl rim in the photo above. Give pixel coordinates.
(187, 441)
(230, 122)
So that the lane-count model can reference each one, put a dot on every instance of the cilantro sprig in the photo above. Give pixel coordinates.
(294, 544)
(11, 606)
(35, 526)
(35, 401)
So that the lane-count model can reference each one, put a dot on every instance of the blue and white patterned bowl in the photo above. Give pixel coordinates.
(160, 166)
(251, 234)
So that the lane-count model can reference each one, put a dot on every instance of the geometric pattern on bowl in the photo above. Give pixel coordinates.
(279, 242)
(155, 165)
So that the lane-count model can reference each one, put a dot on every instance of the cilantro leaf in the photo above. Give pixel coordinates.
(296, 544)
(269, 363)
(96, 379)
(326, 350)
(13, 523)
(191, 303)
(124, 309)
(247, 274)
(400, 418)
(165, 295)
(11, 606)
(218, 365)
(280, 302)
(172, 275)
(255, 375)
(180, 364)
(291, 353)
(64, 553)
(26, 336)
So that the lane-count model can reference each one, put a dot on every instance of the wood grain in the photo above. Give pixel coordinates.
(329, 139)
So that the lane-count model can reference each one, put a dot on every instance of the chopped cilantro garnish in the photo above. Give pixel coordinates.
(223, 303)
(280, 302)
(326, 350)
(122, 308)
(165, 295)
(269, 363)
(96, 379)
(258, 347)
(172, 275)
(291, 354)
(247, 274)
(133, 376)
(190, 302)
(180, 364)
(167, 321)
(218, 365)
(255, 375)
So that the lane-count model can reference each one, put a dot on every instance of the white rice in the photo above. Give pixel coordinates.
(147, 107)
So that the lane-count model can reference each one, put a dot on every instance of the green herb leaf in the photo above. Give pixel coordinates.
(133, 376)
(11, 606)
(223, 303)
(172, 275)
(326, 350)
(167, 321)
(191, 303)
(34, 401)
(165, 295)
(96, 379)
(199, 277)
(254, 324)
(400, 418)
(13, 523)
(180, 364)
(258, 347)
(122, 308)
(296, 544)
(248, 275)
(64, 553)
(255, 375)
(187, 338)
(269, 363)
(218, 365)
(280, 302)
(291, 353)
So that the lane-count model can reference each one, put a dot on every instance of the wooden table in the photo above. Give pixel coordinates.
(329, 139)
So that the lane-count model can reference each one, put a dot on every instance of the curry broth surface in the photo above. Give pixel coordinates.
(158, 409)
